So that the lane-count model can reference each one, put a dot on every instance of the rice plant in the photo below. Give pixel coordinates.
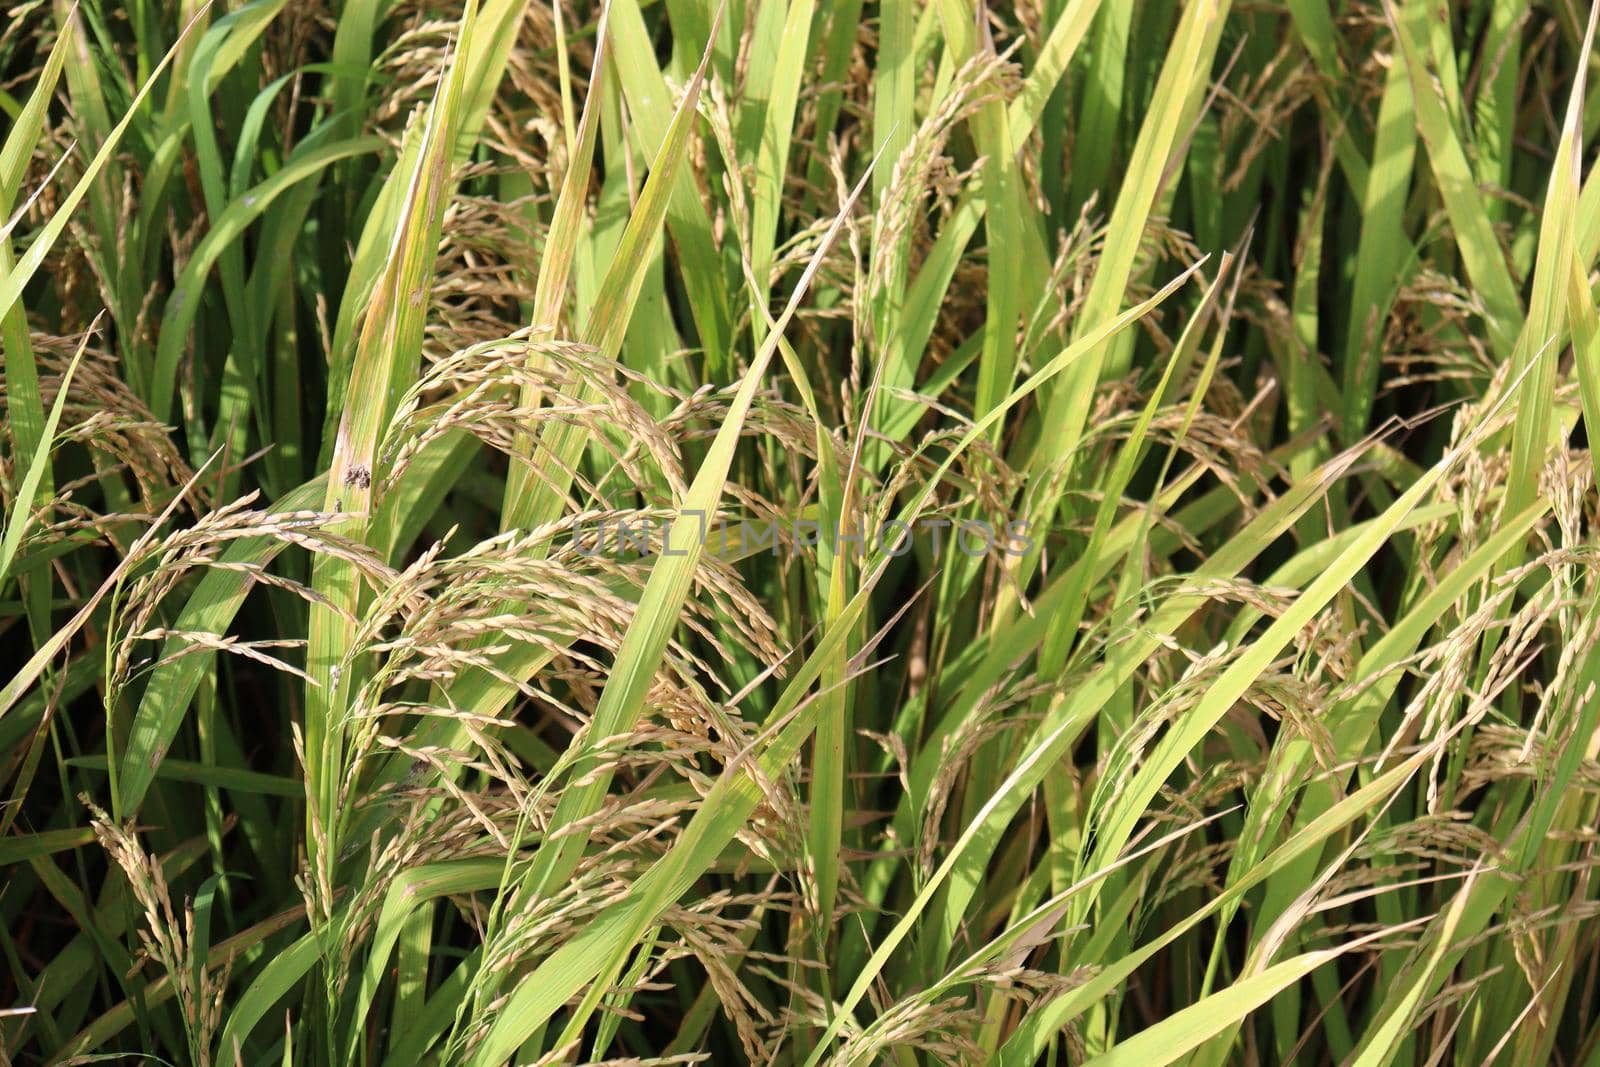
(799, 532)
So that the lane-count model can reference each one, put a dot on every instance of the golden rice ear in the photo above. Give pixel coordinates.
(177, 939)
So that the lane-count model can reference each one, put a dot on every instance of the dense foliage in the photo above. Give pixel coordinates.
(666, 531)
